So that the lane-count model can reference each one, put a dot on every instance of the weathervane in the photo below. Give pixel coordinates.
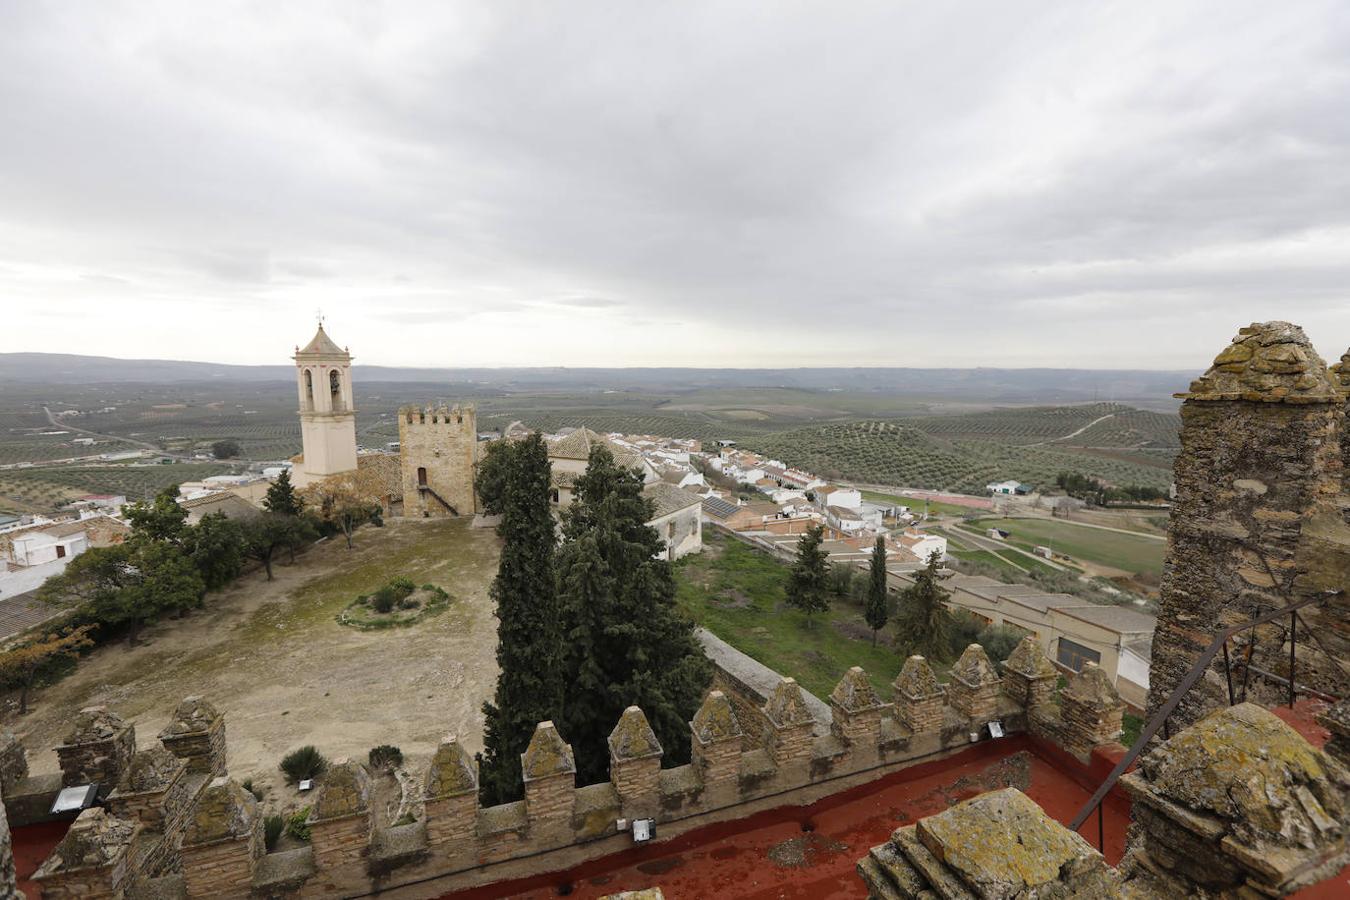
(318, 314)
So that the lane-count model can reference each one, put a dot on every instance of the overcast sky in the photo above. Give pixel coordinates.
(656, 183)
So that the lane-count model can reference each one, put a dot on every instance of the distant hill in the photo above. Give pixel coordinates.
(1048, 386)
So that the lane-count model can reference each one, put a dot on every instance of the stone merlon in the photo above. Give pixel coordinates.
(715, 720)
(1268, 362)
(916, 680)
(452, 771)
(633, 737)
(548, 754)
(224, 811)
(854, 692)
(787, 706)
(343, 791)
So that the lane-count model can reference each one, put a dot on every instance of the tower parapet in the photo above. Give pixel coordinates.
(438, 448)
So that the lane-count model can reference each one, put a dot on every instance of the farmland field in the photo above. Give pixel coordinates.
(45, 489)
(1141, 555)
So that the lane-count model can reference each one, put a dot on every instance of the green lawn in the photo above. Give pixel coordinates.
(737, 593)
(1109, 548)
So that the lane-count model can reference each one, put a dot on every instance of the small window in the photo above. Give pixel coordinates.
(335, 389)
(1072, 655)
(421, 476)
(309, 389)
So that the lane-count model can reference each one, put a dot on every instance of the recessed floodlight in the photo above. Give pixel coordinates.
(75, 798)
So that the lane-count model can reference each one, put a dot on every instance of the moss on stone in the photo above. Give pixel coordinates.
(715, 720)
(854, 692)
(916, 680)
(633, 737)
(786, 705)
(547, 754)
(451, 772)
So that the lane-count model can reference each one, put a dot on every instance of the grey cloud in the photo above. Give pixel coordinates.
(1067, 180)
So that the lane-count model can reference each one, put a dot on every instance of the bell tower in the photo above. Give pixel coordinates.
(323, 373)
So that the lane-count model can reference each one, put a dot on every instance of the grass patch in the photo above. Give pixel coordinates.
(1140, 555)
(363, 614)
(1130, 726)
(736, 593)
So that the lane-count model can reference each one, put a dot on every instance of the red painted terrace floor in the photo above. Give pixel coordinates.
(809, 852)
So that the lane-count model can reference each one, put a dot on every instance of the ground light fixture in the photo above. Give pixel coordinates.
(75, 799)
(643, 830)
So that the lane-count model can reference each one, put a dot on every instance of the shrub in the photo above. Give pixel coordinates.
(385, 756)
(307, 762)
(999, 641)
(402, 586)
(272, 827)
(383, 600)
(966, 630)
(256, 791)
(392, 594)
(297, 827)
(409, 603)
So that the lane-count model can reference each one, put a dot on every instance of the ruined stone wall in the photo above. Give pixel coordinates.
(444, 443)
(219, 825)
(1260, 460)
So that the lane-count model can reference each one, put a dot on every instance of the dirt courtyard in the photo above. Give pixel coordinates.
(273, 659)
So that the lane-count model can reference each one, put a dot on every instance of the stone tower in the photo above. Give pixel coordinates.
(1256, 523)
(438, 448)
(323, 376)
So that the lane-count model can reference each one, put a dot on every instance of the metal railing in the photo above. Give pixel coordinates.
(1159, 722)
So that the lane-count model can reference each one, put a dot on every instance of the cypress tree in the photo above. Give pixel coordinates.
(281, 496)
(627, 641)
(924, 624)
(528, 636)
(876, 612)
(807, 579)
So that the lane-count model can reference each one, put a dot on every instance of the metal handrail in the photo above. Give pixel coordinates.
(1201, 665)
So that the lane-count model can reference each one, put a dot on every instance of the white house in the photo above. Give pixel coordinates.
(846, 520)
(692, 480)
(678, 518)
(922, 544)
(847, 498)
(786, 495)
(1008, 488)
(38, 547)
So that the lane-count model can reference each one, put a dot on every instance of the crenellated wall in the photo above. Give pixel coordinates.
(438, 448)
(173, 819)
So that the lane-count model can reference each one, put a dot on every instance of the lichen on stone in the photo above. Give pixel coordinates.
(223, 810)
(786, 705)
(152, 769)
(547, 754)
(1269, 362)
(974, 668)
(715, 720)
(192, 715)
(451, 771)
(633, 737)
(1001, 844)
(344, 790)
(854, 692)
(916, 680)
(94, 723)
(1028, 659)
(1093, 688)
(1246, 766)
(96, 839)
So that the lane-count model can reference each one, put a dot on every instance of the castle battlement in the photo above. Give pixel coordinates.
(421, 416)
(206, 829)
(438, 449)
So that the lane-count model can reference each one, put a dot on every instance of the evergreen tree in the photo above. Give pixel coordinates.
(876, 612)
(529, 686)
(21, 666)
(160, 520)
(807, 584)
(924, 624)
(216, 547)
(270, 532)
(627, 641)
(281, 496)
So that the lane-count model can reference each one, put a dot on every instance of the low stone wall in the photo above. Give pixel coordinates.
(170, 828)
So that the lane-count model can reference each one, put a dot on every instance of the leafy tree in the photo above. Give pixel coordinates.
(128, 585)
(282, 498)
(226, 449)
(271, 532)
(346, 500)
(20, 667)
(808, 577)
(627, 641)
(160, 520)
(876, 611)
(529, 686)
(216, 547)
(924, 623)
